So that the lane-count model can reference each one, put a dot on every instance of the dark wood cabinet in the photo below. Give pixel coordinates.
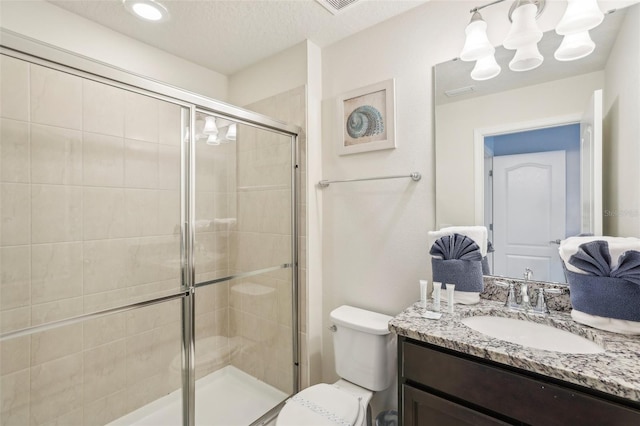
(439, 387)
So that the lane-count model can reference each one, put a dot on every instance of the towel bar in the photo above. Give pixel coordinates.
(415, 176)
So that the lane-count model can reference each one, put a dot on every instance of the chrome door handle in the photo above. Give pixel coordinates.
(558, 241)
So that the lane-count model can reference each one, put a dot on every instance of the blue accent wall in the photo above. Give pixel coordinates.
(562, 138)
(565, 138)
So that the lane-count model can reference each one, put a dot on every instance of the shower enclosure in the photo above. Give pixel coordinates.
(147, 247)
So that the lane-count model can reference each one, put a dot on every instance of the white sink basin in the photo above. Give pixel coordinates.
(532, 335)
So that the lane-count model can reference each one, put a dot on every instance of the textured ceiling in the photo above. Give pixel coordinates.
(228, 35)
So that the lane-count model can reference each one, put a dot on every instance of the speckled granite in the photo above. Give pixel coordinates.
(555, 302)
(616, 371)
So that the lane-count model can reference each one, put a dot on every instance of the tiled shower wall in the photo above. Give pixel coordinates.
(90, 209)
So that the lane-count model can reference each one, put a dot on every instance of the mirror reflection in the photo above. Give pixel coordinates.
(542, 155)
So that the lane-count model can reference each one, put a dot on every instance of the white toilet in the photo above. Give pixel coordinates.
(365, 356)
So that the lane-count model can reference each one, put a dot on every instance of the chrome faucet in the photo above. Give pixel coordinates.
(528, 274)
(541, 301)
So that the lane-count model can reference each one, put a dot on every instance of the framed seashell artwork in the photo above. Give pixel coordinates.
(366, 118)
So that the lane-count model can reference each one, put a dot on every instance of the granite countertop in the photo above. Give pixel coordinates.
(616, 371)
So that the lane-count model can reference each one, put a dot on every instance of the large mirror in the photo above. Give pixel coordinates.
(542, 155)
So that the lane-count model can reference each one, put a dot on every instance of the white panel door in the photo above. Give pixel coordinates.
(591, 165)
(529, 204)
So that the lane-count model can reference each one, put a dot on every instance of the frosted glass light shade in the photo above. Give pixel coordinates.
(580, 15)
(210, 127)
(486, 68)
(524, 29)
(231, 132)
(526, 58)
(213, 140)
(477, 44)
(575, 46)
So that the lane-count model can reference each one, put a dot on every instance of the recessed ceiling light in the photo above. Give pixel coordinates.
(149, 10)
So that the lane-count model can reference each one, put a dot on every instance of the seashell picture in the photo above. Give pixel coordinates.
(367, 116)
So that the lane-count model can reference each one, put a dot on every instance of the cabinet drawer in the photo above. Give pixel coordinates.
(514, 395)
(422, 409)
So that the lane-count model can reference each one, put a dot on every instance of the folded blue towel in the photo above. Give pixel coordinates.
(465, 274)
(456, 246)
(594, 258)
(604, 296)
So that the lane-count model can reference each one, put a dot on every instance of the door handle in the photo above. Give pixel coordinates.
(558, 241)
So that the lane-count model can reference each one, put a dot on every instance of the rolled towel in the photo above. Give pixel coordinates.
(616, 245)
(594, 258)
(476, 233)
(455, 246)
(604, 279)
(456, 259)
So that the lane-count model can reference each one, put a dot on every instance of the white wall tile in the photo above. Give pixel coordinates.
(102, 160)
(168, 212)
(104, 370)
(15, 226)
(140, 164)
(56, 155)
(56, 388)
(56, 343)
(169, 167)
(107, 264)
(14, 398)
(141, 117)
(56, 213)
(14, 151)
(56, 98)
(56, 271)
(14, 86)
(15, 277)
(140, 212)
(170, 117)
(103, 108)
(103, 213)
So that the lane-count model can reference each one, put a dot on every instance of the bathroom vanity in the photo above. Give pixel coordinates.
(450, 374)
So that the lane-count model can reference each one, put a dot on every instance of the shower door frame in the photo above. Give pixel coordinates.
(37, 52)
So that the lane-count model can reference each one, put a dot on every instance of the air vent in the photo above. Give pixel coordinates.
(337, 6)
(460, 91)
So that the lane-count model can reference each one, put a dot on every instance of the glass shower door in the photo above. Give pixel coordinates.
(90, 257)
(243, 256)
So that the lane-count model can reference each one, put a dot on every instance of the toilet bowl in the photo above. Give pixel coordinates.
(365, 359)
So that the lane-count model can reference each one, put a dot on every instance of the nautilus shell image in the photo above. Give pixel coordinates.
(365, 121)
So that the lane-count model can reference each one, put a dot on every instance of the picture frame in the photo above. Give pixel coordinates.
(366, 119)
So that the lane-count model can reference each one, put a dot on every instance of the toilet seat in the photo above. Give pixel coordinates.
(319, 405)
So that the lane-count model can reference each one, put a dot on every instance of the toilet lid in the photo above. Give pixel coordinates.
(318, 405)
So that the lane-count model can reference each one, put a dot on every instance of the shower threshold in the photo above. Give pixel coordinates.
(227, 397)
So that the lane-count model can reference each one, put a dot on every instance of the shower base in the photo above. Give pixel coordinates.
(227, 397)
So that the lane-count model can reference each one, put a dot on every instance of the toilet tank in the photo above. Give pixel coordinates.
(364, 348)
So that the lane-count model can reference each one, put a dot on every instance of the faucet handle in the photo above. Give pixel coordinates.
(510, 302)
(528, 274)
(541, 302)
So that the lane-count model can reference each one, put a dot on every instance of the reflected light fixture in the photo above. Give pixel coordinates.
(575, 46)
(579, 17)
(486, 68)
(149, 10)
(210, 127)
(524, 36)
(213, 140)
(231, 132)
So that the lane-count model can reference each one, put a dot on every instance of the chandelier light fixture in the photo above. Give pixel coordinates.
(524, 35)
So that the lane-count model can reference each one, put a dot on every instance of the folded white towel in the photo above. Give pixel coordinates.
(476, 233)
(607, 324)
(617, 246)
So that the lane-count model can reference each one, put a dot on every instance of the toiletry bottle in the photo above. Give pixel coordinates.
(423, 293)
(437, 287)
(450, 301)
